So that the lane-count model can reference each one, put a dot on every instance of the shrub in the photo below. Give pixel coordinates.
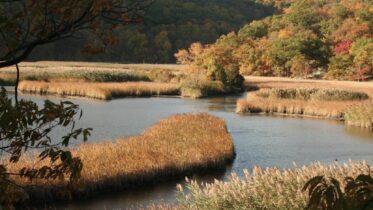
(195, 87)
(216, 64)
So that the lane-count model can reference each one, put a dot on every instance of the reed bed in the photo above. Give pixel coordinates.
(174, 147)
(278, 82)
(322, 109)
(103, 91)
(313, 94)
(65, 66)
(270, 188)
(77, 76)
(360, 116)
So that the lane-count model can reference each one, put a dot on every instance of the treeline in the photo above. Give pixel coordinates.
(168, 25)
(305, 38)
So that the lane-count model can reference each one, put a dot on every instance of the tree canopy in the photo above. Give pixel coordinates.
(306, 38)
(26, 24)
(168, 25)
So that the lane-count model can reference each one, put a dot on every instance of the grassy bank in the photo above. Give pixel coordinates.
(323, 109)
(355, 108)
(91, 72)
(156, 75)
(269, 188)
(104, 91)
(312, 94)
(173, 147)
(279, 82)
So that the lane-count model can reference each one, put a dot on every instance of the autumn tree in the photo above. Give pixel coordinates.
(362, 50)
(300, 66)
(306, 37)
(340, 67)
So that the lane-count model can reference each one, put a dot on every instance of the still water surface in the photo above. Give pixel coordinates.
(259, 140)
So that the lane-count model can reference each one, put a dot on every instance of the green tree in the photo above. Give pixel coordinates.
(362, 50)
(255, 29)
(340, 67)
(303, 14)
(163, 46)
(185, 22)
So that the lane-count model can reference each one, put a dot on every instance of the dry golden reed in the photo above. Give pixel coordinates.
(104, 91)
(173, 147)
(278, 82)
(66, 66)
(322, 109)
(270, 188)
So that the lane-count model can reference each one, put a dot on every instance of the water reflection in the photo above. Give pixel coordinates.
(164, 192)
(362, 133)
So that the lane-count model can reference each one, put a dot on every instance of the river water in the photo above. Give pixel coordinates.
(259, 140)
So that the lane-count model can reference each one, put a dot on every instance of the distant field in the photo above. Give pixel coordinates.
(261, 82)
(62, 66)
(279, 82)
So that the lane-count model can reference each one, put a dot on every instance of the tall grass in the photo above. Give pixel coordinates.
(104, 91)
(278, 82)
(270, 188)
(175, 146)
(360, 115)
(313, 94)
(63, 66)
(77, 76)
(323, 109)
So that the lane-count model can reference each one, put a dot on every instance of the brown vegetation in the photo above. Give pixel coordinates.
(175, 146)
(278, 82)
(104, 91)
(270, 188)
(322, 109)
(342, 100)
(64, 66)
